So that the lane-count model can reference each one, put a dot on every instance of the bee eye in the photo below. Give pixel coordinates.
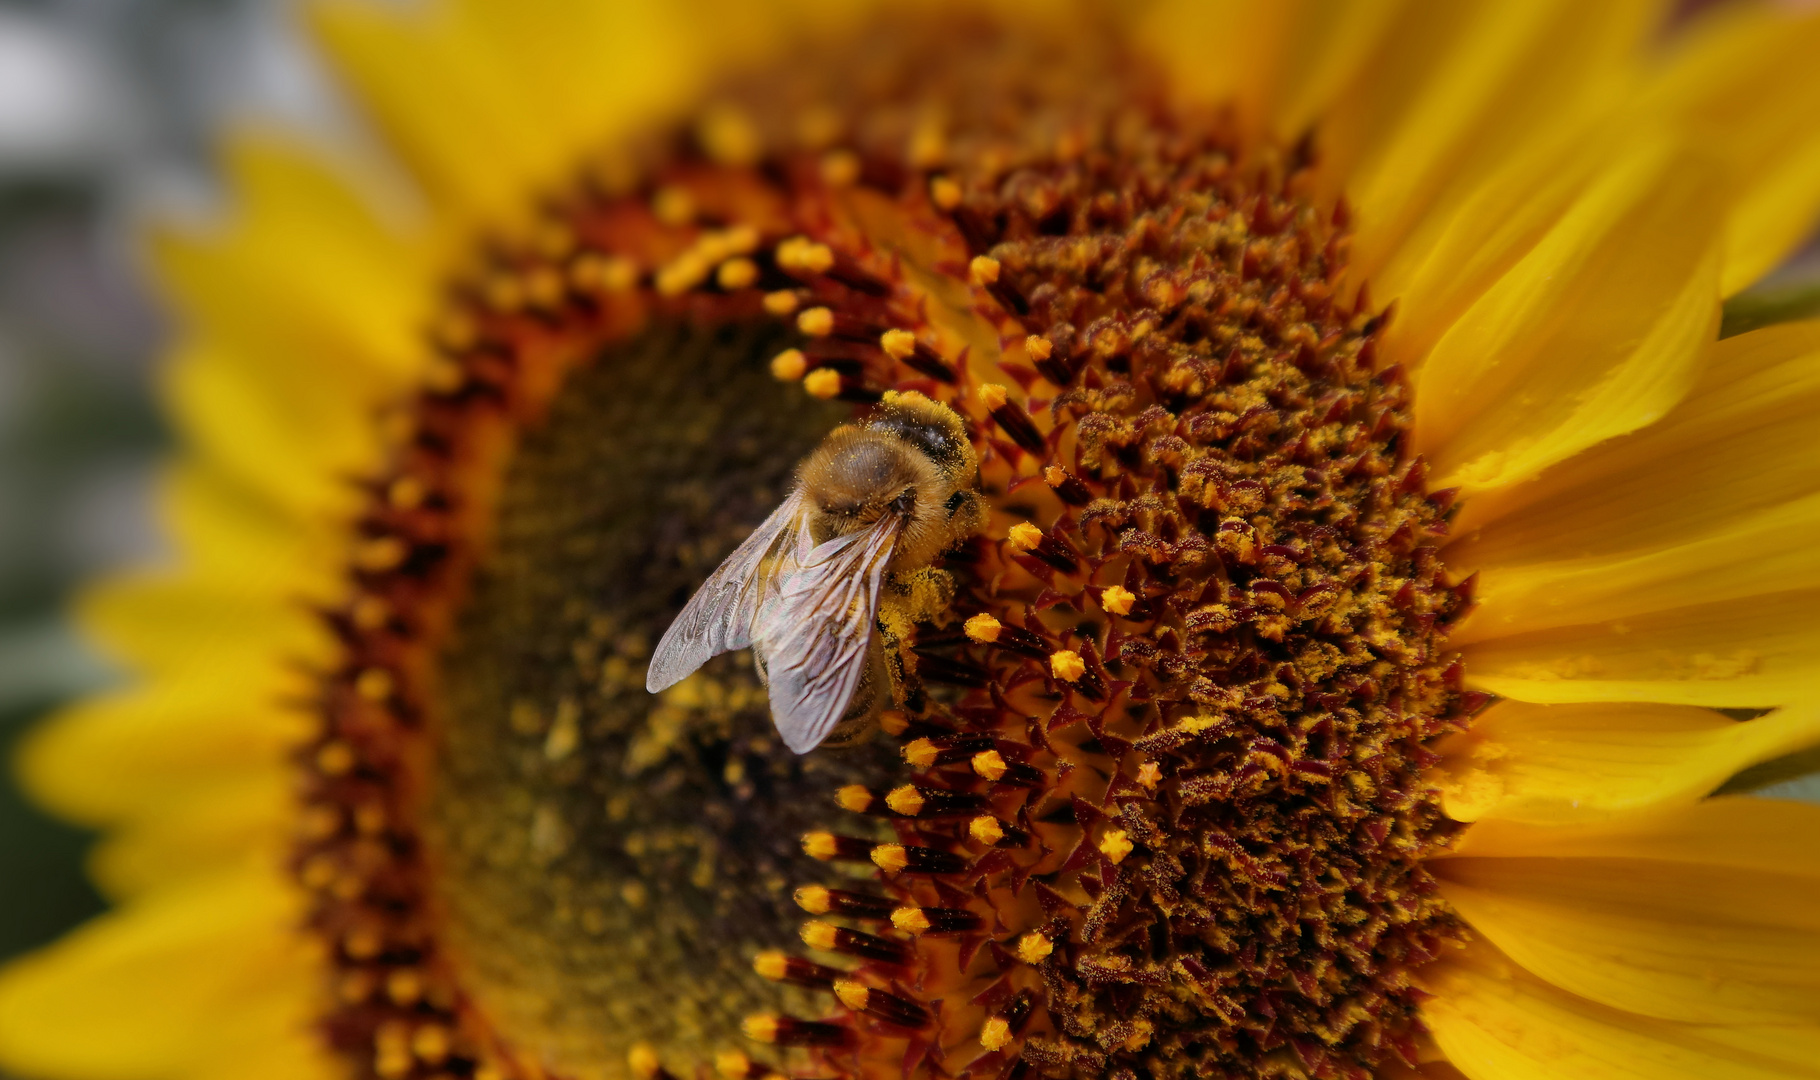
(905, 502)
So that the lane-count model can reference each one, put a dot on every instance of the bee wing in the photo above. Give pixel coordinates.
(817, 631)
(721, 615)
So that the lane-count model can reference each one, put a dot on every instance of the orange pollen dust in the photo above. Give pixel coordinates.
(1165, 812)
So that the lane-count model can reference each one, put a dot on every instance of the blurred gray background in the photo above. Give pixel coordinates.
(106, 114)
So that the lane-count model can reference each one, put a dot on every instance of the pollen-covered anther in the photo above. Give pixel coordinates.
(1012, 419)
(915, 859)
(902, 346)
(779, 966)
(987, 630)
(945, 193)
(995, 1034)
(830, 938)
(803, 256)
(992, 832)
(828, 847)
(381, 553)
(824, 383)
(1034, 947)
(1115, 845)
(840, 168)
(820, 900)
(1149, 775)
(930, 751)
(673, 205)
(936, 920)
(375, 684)
(991, 765)
(782, 303)
(681, 274)
(912, 801)
(880, 1004)
(983, 271)
(789, 1031)
(593, 272)
(1117, 600)
(983, 628)
(856, 798)
(736, 273)
(1024, 536)
(789, 365)
(1067, 665)
(336, 758)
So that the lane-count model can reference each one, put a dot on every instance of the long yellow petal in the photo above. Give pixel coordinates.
(239, 821)
(1596, 332)
(228, 969)
(1740, 832)
(1495, 1021)
(1570, 763)
(1740, 443)
(1743, 82)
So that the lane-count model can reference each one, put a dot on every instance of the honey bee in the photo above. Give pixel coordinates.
(877, 498)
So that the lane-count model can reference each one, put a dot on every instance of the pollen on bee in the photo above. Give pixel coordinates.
(996, 1034)
(854, 797)
(1066, 665)
(989, 764)
(816, 322)
(1117, 600)
(993, 396)
(1034, 947)
(736, 273)
(1024, 536)
(983, 628)
(945, 193)
(823, 383)
(986, 829)
(781, 303)
(1115, 845)
(897, 344)
(789, 365)
(983, 270)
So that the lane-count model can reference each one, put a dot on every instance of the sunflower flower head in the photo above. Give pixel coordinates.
(1329, 689)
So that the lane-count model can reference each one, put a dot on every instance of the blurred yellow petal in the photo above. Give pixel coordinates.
(1566, 763)
(170, 622)
(1739, 444)
(1741, 833)
(1744, 83)
(1594, 333)
(1495, 1021)
(243, 820)
(229, 976)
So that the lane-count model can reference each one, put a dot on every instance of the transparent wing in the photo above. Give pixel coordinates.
(721, 615)
(816, 632)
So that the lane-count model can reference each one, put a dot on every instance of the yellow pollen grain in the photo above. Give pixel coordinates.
(673, 206)
(1066, 665)
(393, 1064)
(1037, 347)
(1149, 775)
(894, 721)
(818, 935)
(735, 274)
(771, 964)
(740, 239)
(789, 365)
(1024, 536)
(362, 943)
(920, 753)
(890, 858)
(732, 1064)
(986, 830)
(374, 684)
(823, 383)
(430, 1043)
(1034, 947)
(854, 797)
(820, 845)
(993, 396)
(781, 303)
(1054, 476)
(905, 800)
(380, 554)
(814, 899)
(335, 758)
(910, 920)
(816, 322)
(983, 628)
(996, 1034)
(989, 764)
(840, 168)
(1115, 845)
(681, 274)
(851, 994)
(898, 344)
(1117, 600)
(642, 1060)
(944, 193)
(406, 493)
(983, 270)
(801, 254)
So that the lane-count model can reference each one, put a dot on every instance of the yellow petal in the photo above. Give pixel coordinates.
(1739, 443)
(175, 622)
(115, 757)
(1494, 1021)
(1743, 82)
(1734, 560)
(1594, 333)
(203, 829)
(1755, 654)
(1691, 915)
(184, 980)
(240, 535)
(1569, 763)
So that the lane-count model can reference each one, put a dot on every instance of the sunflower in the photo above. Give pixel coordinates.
(1387, 561)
